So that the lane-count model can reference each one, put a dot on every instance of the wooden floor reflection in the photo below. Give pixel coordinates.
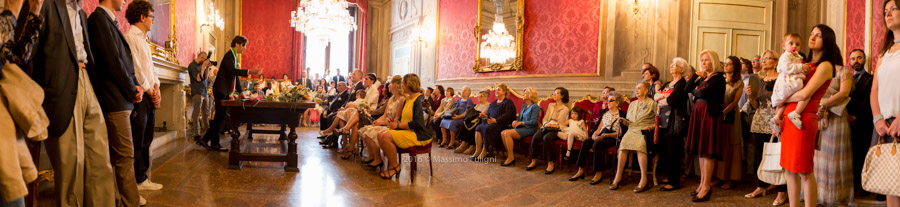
(195, 177)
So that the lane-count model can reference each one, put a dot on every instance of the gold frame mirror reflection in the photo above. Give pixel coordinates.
(511, 14)
(165, 49)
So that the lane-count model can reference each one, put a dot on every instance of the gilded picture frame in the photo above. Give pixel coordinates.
(481, 64)
(170, 48)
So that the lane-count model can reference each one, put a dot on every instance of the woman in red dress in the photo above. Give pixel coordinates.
(798, 145)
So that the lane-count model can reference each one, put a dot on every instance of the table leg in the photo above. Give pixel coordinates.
(282, 136)
(249, 131)
(234, 155)
(291, 165)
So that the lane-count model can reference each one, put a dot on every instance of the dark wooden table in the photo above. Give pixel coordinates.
(265, 112)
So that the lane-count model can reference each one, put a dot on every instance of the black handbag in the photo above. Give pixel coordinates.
(470, 120)
(449, 113)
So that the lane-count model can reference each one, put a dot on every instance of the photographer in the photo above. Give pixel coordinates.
(199, 71)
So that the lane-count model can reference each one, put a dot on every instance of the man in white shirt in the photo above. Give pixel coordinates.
(140, 16)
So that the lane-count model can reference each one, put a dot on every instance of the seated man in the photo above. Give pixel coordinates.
(328, 115)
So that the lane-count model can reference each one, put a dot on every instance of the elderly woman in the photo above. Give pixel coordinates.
(708, 86)
(673, 112)
(445, 105)
(466, 132)
(555, 118)
(499, 116)
(391, 113)
(409, 131)
(524, 126)
(603, 138)
(451, 126)
(641, 116)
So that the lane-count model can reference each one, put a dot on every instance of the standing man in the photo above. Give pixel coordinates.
(227, 76)
(198, 71)
(860, 113)
(338, 77)
(118, 90)
(77, 147)
(756, 64)
(140, 16)
(306, 81)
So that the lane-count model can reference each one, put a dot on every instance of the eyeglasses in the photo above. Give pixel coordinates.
(769, 58)
(729, 63)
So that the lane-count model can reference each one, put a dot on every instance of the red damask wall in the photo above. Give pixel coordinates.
(184, 27)
(271, 36)
(855, 27)
(878, 30)
(561, 37)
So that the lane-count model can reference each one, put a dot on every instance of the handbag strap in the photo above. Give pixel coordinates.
(772, 139)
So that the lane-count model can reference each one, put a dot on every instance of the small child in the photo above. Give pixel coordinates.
(575, 130)
(791, 74)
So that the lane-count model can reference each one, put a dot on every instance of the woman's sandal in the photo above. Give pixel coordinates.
(395, 170)
(347, 154)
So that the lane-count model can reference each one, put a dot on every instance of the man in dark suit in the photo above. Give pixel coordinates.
(860, 114)
(306, 81)
(227, 76)
(338, 77)
(77, 147)
(117, 90)
(356, 80)
(328, 115)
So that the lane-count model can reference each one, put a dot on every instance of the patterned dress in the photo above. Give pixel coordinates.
(834, 160)
(393, 108)
(641, 114)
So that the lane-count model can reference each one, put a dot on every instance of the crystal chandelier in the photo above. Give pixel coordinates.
(213, 19)
(321, 19)
(498, 45)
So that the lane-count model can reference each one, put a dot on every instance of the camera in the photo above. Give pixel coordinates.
(211, 62)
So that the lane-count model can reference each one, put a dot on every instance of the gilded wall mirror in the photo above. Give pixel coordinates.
(162, 33)
(499, 30)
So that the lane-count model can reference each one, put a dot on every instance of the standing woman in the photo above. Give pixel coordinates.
(650, 74)
(885, 100)
(556, 117)
(759, 127)
(524, 126)
(798, 145)
(708, 86)
(729, 168)
(409, 131)
(834, 160)
(673, 109)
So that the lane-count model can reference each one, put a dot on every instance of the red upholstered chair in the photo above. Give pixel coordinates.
(517, 99)
(562, 144)
(413, 151)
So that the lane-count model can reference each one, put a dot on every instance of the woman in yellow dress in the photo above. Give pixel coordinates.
(410, 131)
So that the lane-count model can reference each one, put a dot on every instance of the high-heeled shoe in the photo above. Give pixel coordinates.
(640, 189)
(396, 173)
(508, 164)
(614, 186)
(751, 195)
(776, 203)
(325, 134)
(577, 178)
(547, 172)
(527, 168)
(366, 161)
(379, 165)
(347, 154)
(597, 181)
(704, 198)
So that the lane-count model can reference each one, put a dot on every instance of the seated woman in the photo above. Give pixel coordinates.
(603, 138)
(409, 131)
(446, 105)
(524, 126)
(498, 117)
(641, 116)
(466, 132)
(555, 118)
(391, 113)
(451, 126)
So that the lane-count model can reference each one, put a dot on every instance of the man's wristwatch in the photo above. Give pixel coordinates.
(877, 118)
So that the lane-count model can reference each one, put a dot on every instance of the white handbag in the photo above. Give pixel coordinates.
(770, 170)
(879, 173)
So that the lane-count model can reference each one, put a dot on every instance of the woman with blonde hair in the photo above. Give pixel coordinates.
(391, 113)
(524, 126)
(708, 88)
(411, 130)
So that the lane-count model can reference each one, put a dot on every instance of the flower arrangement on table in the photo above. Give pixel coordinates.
(291, 94)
